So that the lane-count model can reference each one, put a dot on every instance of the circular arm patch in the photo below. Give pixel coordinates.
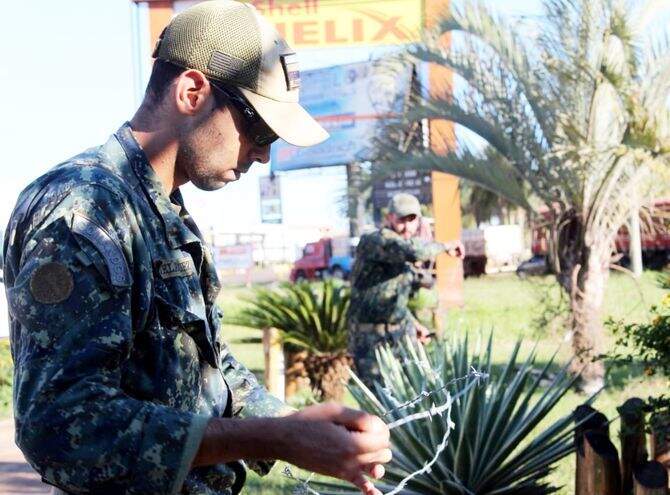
(51, 283)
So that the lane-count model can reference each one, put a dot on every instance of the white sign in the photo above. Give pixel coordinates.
(271, 211)
(239, 256)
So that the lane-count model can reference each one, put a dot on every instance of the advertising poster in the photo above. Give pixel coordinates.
(352, 102)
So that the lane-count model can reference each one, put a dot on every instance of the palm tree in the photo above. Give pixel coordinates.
(575, 121)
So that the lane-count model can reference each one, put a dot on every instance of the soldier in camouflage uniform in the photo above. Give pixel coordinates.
(122, 383)
(381, 284)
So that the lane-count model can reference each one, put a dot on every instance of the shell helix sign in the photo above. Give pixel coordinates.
(329, 23)
(333, 23)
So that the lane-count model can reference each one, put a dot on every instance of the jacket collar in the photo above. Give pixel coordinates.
(170, 208)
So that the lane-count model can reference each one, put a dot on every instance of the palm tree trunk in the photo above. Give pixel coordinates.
(583, 271)
(586, 299)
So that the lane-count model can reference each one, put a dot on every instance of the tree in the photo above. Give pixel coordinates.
(575, 121)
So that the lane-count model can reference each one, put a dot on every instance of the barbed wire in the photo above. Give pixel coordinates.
(476, 378)
(474, 374)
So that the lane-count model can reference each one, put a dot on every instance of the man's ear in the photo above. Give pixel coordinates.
(192, 92)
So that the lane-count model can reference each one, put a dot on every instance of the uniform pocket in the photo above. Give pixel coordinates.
(178, 319)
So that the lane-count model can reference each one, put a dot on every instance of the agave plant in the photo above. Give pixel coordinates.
(495, 446)
(311, 319)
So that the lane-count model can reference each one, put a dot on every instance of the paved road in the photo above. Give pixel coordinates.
(16, 475)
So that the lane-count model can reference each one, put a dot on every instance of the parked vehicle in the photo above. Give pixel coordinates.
(537, 265)
(492, 249)
(474, 243)
(655, 238)
(329, 256)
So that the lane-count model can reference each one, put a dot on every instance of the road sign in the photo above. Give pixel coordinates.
(271, 210)
(413, 182)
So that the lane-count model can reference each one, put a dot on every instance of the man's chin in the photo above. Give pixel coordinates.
(212, 185)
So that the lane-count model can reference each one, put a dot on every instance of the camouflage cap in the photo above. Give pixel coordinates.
(403, 204)
(230, 42)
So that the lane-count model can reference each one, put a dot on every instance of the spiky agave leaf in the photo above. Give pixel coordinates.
(490, 450)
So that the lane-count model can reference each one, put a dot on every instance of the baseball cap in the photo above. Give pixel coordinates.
(403, 204)
(231, 43)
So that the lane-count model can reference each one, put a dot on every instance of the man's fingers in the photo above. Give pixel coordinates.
(359, 421)
(375, 471)
(322, 411)
(371, 442)
(365, 486)
(380, 457)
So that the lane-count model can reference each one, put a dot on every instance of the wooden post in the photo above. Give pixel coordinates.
(658, 442)
(650, 478)
(601, 474)
(587, 420)
(633, 440)
(274, 362)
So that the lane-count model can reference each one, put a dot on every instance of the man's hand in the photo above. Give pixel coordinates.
(337, 441)
(422, 333)
(455, 249)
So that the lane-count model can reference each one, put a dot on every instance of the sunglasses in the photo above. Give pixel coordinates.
(257, 129)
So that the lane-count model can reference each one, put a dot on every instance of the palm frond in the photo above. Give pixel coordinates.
(490, 171)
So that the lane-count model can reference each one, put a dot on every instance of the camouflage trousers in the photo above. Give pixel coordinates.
(364, 338)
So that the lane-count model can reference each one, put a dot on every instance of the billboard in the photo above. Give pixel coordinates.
(352, 102)
(335, 23)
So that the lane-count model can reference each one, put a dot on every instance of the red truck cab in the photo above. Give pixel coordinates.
(329, 256)
(314, 261)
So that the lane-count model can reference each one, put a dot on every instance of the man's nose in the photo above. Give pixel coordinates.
(260, 154)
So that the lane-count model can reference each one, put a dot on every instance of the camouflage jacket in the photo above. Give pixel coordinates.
(119, 362)
(382, 276)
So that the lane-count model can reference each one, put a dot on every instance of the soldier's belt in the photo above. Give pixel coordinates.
(378, 328)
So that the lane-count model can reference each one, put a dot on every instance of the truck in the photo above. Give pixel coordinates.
(492, 249)
(655, 241)
(327, 257)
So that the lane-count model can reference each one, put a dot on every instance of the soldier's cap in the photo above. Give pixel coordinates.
(231, 43)
(403, 205)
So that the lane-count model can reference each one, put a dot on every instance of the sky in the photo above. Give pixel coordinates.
(68, 82)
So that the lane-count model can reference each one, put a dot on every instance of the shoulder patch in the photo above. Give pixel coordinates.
(119, 273)
(51, 283)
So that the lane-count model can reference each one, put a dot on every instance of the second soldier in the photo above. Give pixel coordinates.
(381, 284)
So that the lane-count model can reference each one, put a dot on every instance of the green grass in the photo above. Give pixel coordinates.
(502, 304)
(5, 379)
